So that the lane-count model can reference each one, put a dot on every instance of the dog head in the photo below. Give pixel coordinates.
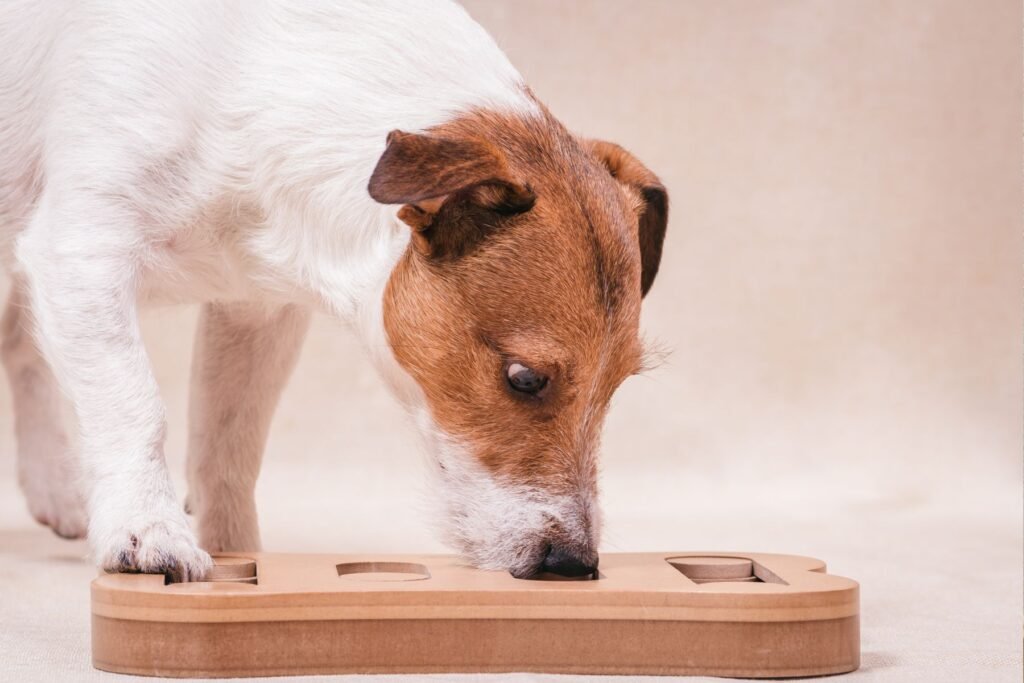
(516, 310)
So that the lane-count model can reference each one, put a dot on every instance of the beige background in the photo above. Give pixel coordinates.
(840, 293)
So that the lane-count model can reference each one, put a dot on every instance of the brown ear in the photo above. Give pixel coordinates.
(628, 170)
(443, 183)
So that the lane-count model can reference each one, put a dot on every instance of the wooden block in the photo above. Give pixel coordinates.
(240, 569)
(714, 568)
(733, 580)
(744, 615)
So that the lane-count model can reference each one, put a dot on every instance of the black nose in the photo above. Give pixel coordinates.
(564, 562)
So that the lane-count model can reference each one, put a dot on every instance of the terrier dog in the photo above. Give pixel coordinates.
(382, 162)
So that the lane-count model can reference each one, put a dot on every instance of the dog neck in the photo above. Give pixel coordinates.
(319, 237)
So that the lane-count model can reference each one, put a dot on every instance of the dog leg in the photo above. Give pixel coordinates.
(81, 253)
(244, 354)
(47, 473)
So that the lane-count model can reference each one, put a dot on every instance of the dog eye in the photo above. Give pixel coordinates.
(524, 379)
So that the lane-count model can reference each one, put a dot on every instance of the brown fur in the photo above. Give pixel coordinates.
(526, 249)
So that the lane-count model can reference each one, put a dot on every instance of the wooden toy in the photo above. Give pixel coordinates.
(720, 614)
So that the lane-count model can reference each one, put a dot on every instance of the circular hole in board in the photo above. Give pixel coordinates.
(707, 569)
(383, 571)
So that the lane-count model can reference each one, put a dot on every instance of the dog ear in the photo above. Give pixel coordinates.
(628, 170)
(452, 189)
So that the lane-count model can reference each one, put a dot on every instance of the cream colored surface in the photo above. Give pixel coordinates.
(840, 293)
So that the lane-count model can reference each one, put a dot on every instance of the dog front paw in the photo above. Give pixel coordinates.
(57, 505)
(66, 519)
(152, 545)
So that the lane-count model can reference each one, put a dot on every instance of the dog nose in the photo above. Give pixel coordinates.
(564, 562)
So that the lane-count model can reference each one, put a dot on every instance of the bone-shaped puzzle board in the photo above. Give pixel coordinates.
(719, 614)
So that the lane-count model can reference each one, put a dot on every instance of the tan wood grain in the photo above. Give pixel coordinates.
(421, 613)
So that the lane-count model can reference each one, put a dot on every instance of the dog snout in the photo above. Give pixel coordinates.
(565, 561)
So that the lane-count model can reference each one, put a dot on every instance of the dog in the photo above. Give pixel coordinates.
(379, 161)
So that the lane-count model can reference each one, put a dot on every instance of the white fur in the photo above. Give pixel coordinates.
(501, 525)
(202, 151)
(46, 470)
(243, 356)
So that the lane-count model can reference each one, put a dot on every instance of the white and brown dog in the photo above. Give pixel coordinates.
(379, 161)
